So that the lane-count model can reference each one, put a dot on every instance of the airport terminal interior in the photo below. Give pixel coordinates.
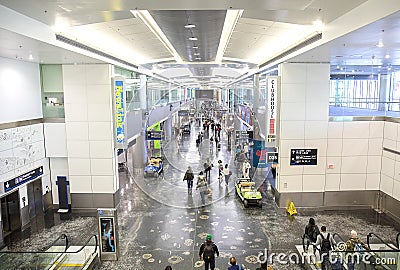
(134, 132)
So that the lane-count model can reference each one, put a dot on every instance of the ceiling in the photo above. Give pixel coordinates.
(233, 37)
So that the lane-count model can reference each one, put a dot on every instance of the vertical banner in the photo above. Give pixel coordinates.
(272, 95)
(119, 113)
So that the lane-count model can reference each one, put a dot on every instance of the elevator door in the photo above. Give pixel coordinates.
(35, 198)
(10, 213)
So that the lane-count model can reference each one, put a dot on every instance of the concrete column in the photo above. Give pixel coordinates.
(138, 152)
(143, 92)
(303, 124)
(256, 92)
(384, 82)
(168, 128)
(92, 159)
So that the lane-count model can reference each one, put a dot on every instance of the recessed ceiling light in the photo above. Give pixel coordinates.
(195, 47)
(197, 53)
(190, 26)
(193, 38)
(380, 44)
(198, 58)
(387, 56)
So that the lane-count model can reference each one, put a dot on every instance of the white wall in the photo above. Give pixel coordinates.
(89, 123)
(59, 167)
(353, 149)
(390, 181)
(56, 141)
(20, 97)
(304, 103)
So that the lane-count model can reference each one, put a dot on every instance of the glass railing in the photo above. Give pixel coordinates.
(51, 257)
(363, 107)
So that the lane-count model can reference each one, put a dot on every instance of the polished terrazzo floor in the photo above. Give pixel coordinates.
(161, 224)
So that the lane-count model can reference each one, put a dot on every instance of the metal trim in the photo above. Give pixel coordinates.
(31, 122)
(363, 118)
(391, 151)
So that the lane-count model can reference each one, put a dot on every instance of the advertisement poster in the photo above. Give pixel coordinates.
(107, 234)
(259, 154)
(119, 109)
(272, 88)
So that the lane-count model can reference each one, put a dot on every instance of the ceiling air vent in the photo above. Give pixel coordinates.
(92, 50)
(293, 49)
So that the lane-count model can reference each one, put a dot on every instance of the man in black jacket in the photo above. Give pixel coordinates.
(207, 253)
(189, 176)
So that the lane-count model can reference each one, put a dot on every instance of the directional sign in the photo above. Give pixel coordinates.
(183, 113)
(272, 157)
(17, 181)
(303, 157)
(154, 135)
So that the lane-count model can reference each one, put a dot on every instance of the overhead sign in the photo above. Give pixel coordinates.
(272, 158)
(119, 113)
(154, 135)
(183, 113)
(272, 88)
(303, 157)
(22, 179)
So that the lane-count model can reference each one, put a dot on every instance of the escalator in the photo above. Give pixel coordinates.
(380, 255)
(58, 255)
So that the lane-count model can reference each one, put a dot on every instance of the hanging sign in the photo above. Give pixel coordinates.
(22, 179)
(119, 113)
(272, 88)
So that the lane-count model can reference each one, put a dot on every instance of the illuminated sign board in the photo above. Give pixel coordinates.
(303, 157)
(119, 113)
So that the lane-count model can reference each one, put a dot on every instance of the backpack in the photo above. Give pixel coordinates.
(325, 244)
(312, 232)
(208, 253)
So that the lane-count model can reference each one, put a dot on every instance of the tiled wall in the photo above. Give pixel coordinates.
(354, 156)
(303, 124)
(89, 125)
(390, 181)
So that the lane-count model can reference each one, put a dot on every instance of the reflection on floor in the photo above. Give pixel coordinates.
(161, 224)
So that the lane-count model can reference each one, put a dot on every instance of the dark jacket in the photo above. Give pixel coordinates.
(312, 232)
(188, 176)
(215, 248)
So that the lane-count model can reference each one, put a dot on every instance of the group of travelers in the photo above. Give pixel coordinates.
(325, 243)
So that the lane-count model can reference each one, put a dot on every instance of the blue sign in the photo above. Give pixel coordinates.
(22, 179)
(119, 99)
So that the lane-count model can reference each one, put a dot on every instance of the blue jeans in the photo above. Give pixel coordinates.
(203, 201)
(189, 184)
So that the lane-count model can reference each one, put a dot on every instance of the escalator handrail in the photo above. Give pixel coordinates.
(380, 239)
(397, 240)
(338, 235)
(62, 236)
(63, 252)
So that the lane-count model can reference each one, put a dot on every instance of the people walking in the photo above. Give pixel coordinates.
(311, 233)
(234, 265)
(189, 176)
(246, 169)
(207, 253)
(202, 187)
(356, 249)
(227, 174)
(327, 243)
(207, 170)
